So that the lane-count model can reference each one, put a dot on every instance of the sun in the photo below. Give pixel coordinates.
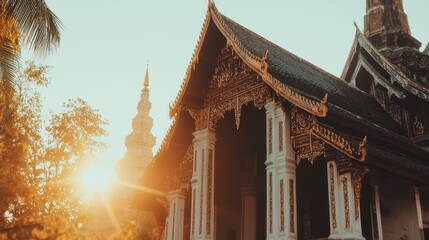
(97, 176)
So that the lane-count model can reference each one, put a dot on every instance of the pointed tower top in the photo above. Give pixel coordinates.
(386, 25)
(146, 78)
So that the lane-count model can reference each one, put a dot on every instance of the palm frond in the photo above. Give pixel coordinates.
(38, 26)
(9, 61)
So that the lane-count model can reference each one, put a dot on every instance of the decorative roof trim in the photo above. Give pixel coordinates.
(167, 139)
(260, 65)
(338, 142)
(395, 72)
(173, 109)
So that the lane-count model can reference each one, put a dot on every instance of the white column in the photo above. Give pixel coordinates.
(336, 224)
(351, 221)
(176, 215)
(281, 176)
(248, 201)
(202, 212)
(270, 168)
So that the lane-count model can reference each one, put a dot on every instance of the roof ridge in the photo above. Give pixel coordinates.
(415, 85)
(191, 65)
(289, 53)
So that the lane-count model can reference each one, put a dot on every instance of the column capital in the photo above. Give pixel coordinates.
(270, 106)
(176, 194)
(204, 135)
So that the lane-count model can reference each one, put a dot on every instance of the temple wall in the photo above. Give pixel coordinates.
(398, 210)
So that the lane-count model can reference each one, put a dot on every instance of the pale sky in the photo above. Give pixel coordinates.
(106, 43)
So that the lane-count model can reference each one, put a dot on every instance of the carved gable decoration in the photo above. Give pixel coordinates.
(233, 85)
(230, 68)
(310, 139)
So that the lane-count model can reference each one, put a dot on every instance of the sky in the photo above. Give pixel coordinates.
(106, 45)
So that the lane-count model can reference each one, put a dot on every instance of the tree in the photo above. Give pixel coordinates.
(29, 23)
(40, 158)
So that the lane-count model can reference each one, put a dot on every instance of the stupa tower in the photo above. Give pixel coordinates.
(140, 141)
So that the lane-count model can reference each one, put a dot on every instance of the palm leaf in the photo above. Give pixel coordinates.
(9, 61)
(38, 26)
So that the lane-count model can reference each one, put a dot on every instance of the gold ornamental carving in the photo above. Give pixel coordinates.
(332, 195)
(194, 197)
(346, 202)
(281, 136)
(306, 146)
(291, 206)
(358, 175)
(233, 85)
(310, 138)
(183, 172)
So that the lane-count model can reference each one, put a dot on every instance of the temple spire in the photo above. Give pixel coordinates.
(140, 141)
(146, 78)
(386, 25)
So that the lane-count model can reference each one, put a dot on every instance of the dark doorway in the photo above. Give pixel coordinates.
(312, 200)
(240, 154)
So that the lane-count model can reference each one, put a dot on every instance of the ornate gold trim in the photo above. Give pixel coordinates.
(332, 195)
(270, 136)
(194, 197)
(260, 65)
(291, 206)
(183, 173)
(309, 138)
(358, 175)
(281, 136)
(173, 109)
(346, 202)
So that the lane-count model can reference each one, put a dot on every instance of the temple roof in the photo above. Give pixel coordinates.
(281, 70)
(397, 76)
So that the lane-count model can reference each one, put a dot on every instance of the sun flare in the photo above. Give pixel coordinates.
(97, 176)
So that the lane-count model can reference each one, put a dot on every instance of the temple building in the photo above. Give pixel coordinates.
(265, 145)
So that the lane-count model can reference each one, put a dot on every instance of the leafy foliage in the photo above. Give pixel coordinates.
(28, 23)
(39, 159)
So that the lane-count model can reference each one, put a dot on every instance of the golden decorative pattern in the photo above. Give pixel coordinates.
(270, 136)
(194, 197)
(309, 138)
(291, 206)
(229, 68)
(280, 136)
(346, 202)
(282, 206)
(202, 194)
(183, 173)
(358, 175)
(209, 191)
(332, 195)
(260, 65)
(270, 211)
(305, 145)
(233, 85)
